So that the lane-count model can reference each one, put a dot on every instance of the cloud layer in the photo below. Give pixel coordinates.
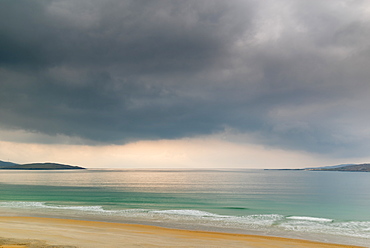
(292, 74)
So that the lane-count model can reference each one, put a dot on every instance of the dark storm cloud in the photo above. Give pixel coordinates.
(293, 73)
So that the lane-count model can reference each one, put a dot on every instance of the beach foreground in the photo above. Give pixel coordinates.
(33, 232)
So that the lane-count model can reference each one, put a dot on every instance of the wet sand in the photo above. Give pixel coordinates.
(32, 232)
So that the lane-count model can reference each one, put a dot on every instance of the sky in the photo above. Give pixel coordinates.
(190, 84)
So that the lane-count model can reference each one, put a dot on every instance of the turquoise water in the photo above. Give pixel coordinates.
(325, 206)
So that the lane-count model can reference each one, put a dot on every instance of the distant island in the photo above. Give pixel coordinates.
(37, 166)
(344, 167)
(351, 167)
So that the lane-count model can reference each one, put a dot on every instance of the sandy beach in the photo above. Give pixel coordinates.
(32, 232)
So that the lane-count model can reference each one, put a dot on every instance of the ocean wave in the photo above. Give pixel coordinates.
(305, 218)
(193, 217)
(359, 229)
(187, 212)
(236, 208)
(30, 205)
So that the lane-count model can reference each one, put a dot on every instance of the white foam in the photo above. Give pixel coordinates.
(306, 218)
(187, 212)
(44, 205)
(20, 204)
(359, 229)
(81, 208)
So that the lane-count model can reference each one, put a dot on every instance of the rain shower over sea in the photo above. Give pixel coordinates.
(315, 205)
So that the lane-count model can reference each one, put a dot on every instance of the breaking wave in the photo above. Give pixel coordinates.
(257, 222)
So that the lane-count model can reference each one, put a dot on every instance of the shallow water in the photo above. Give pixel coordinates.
(308, 204)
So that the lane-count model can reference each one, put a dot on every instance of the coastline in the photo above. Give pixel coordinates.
(37, 232)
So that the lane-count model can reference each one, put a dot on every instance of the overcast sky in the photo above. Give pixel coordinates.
(203, 83)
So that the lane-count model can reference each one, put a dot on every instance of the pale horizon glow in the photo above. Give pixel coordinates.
(204, 152)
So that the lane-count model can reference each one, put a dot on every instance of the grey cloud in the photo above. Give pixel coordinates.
(137, 36)
(291, 72)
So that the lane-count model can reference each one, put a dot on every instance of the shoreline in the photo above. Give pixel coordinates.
(40, 232)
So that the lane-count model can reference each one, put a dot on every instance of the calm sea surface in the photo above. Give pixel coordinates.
(325, 206)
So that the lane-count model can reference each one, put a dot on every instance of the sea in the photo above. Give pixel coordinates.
(314, 205)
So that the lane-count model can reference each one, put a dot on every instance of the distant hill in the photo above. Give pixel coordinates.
(6, 164)
(351, 167)
(329, 167)
(342, 167)
(41, 166)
